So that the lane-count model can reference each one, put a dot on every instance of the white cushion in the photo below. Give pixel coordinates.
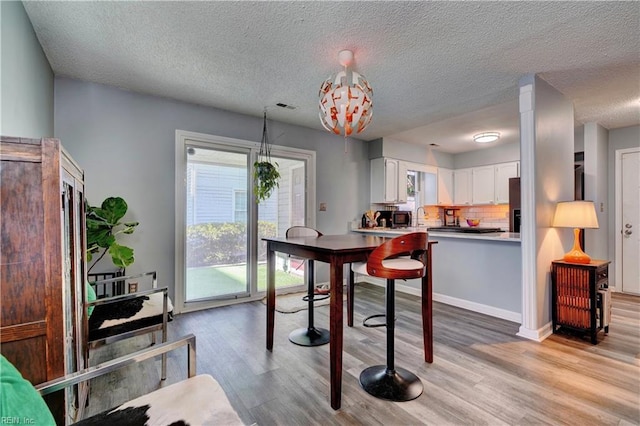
(151, 307)
(199, 400)
(359, 268)
(402, 262)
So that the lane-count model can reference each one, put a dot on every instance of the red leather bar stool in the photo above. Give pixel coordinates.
(403, 257)
(310, 335)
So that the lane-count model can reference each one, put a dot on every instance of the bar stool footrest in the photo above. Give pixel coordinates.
(315, 297)
(392, 385)
(383, 324)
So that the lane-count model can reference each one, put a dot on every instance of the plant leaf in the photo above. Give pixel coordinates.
(113, 209)
(122, 256)
(100, 237)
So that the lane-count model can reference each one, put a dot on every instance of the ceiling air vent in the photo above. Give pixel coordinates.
(281, 105)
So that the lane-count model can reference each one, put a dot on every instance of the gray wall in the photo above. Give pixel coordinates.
(595, 188)
(386, 147)
(26, 77)
(482, 157)
(625, 138)
(125, 142)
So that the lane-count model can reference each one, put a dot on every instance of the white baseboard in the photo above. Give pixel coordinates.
(478, 307)
(453, 301)
(538, 335)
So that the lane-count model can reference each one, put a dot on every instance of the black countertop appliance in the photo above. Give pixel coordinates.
(385, 218)
(464, 230)
(514, 204)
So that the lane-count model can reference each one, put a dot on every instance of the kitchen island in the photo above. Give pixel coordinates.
(479, 272)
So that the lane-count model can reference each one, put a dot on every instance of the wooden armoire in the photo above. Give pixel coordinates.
(42, 267)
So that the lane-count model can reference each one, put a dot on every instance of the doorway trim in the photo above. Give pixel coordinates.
(182, 136)
(618, 215)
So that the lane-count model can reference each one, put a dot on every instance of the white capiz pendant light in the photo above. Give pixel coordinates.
(346, 100)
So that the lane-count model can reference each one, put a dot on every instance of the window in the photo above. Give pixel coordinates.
(240, 205)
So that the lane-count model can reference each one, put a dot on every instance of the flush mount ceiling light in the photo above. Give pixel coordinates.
(346, 100)
(486, 137)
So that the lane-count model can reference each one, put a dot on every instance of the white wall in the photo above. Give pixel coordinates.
(547, 157)
(26, 78)
(125, 142)
(595, 188)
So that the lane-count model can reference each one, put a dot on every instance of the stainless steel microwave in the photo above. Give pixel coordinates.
(401, 219)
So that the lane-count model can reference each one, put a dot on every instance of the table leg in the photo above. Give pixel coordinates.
(350, 295)
(427, 309)
(335, 333)
(271, 294)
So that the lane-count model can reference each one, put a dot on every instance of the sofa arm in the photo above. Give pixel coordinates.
(119, 317)
(197, 400)
(123, 361)
(120, 282)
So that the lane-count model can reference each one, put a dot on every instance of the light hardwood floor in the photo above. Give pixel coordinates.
(482, 372)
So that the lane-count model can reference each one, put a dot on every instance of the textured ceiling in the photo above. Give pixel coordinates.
(440, 71)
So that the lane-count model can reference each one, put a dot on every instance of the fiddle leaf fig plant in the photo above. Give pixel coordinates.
(266, 176)
(103, 229)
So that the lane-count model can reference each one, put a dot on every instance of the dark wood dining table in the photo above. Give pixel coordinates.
(338, 250)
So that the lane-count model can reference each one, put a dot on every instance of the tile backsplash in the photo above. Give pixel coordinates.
(490, 216)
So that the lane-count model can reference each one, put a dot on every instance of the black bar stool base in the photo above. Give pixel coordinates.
(309, 336)
(392, 385)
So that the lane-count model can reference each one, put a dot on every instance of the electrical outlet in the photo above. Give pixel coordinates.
(323, 207)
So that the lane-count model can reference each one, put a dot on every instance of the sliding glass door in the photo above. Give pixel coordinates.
(217, 241)
(220, 255)
(286, 207)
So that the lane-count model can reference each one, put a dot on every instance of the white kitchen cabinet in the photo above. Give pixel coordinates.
(462, 186)
(445, 187)
(503, 173)
(402, 182)
(483, 185)
(491, 183)
(388, 181)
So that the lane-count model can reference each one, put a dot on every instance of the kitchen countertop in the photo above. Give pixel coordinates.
(493, 236)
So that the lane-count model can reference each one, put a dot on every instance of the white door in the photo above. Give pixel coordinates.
(630, 221)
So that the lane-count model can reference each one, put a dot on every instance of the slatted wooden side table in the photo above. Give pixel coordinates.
(576, 305)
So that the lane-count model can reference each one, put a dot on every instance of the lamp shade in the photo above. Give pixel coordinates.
(575, 214)
(346, 100)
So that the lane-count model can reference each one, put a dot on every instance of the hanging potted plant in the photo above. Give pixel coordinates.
(265, 172)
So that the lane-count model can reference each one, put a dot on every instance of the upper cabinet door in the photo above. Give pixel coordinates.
(390, 180)
(462, 187)
(504, 172)
(401, 186)
(484, 185)
(445, 187)
(384, 180)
